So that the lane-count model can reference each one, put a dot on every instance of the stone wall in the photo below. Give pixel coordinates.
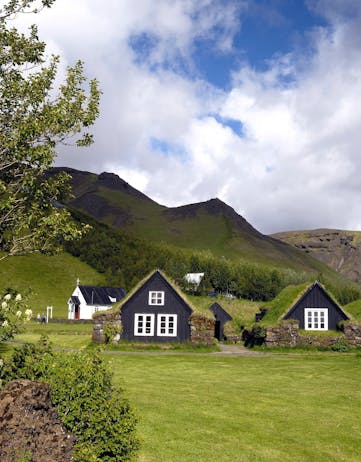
(202, 329)
(286, 334)
(101, 320)
(352, 332)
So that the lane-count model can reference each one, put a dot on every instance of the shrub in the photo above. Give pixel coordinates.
(340, 345)
(89, 405)
(26, 362)
(13, 313)
(112, 330)
(254, 336)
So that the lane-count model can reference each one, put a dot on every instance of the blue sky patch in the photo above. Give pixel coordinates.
(235, 125)
(167, 149)
(268, 29)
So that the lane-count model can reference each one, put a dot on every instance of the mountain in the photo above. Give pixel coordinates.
(341, 250)
(209, 226)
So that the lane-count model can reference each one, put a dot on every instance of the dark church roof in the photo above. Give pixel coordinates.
(94, 295)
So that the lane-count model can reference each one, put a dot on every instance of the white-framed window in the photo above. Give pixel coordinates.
(156, 297)
(167, 325)
(316, 318)
(144, 324)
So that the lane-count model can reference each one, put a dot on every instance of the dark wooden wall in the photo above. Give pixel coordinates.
(221, 317)
(317, 297)
(174, 304)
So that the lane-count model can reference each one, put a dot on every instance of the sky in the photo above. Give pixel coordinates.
(256, 102)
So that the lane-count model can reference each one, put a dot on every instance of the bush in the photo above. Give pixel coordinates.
(340, 346)
(112, 331)
(26, 362)
(255, 336)
(13, 313)
(89, 405)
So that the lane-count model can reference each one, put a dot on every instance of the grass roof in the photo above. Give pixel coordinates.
(286, 299)
(353, 309)
(118, 306)
(242, 311)
(282, 303)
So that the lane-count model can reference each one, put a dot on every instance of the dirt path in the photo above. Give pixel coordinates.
(237, 350)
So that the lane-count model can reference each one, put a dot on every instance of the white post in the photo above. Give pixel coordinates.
(49, 313)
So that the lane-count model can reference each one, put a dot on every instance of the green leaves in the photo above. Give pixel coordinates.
(35, 118)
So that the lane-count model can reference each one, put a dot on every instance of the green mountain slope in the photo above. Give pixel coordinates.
(48, 280)
(210, 226)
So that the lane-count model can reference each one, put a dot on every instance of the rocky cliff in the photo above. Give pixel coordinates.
(339, 249)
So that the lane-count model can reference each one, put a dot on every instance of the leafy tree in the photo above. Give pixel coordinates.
(35, 117)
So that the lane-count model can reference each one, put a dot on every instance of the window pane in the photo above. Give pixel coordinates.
(316, 318)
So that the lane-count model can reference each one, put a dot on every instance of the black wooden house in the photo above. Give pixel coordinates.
(316, 310)
(156, 312)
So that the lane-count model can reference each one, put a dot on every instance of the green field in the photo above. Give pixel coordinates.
(277, 408)
(206, 407)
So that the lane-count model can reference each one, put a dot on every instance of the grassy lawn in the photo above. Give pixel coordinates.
(278, 408)
(208, 408)
(77, 335)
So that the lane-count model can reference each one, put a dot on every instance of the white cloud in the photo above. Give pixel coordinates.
(297, 163)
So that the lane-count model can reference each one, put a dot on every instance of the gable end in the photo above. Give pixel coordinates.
(317, 300)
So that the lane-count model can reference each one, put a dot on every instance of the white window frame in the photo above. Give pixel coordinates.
(156, 297)
(141, 330)
(166, 318)
(313, 316)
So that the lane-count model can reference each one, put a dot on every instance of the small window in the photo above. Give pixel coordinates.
(167, 325)
(316, 318)
(156, 297)
(144, 324)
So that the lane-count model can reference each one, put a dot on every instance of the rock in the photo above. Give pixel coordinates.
(341, 250)
(30, 428)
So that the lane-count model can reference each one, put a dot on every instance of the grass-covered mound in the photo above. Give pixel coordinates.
(354, 310)
(242, 311)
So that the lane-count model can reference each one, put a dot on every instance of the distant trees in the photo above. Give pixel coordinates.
(126, 260)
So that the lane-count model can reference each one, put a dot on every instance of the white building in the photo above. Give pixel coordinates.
(194, 278)
(86, 300)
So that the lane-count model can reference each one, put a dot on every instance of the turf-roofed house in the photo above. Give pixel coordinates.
(87, 300)
(157, 311)
(316, 310)
(298, 314)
